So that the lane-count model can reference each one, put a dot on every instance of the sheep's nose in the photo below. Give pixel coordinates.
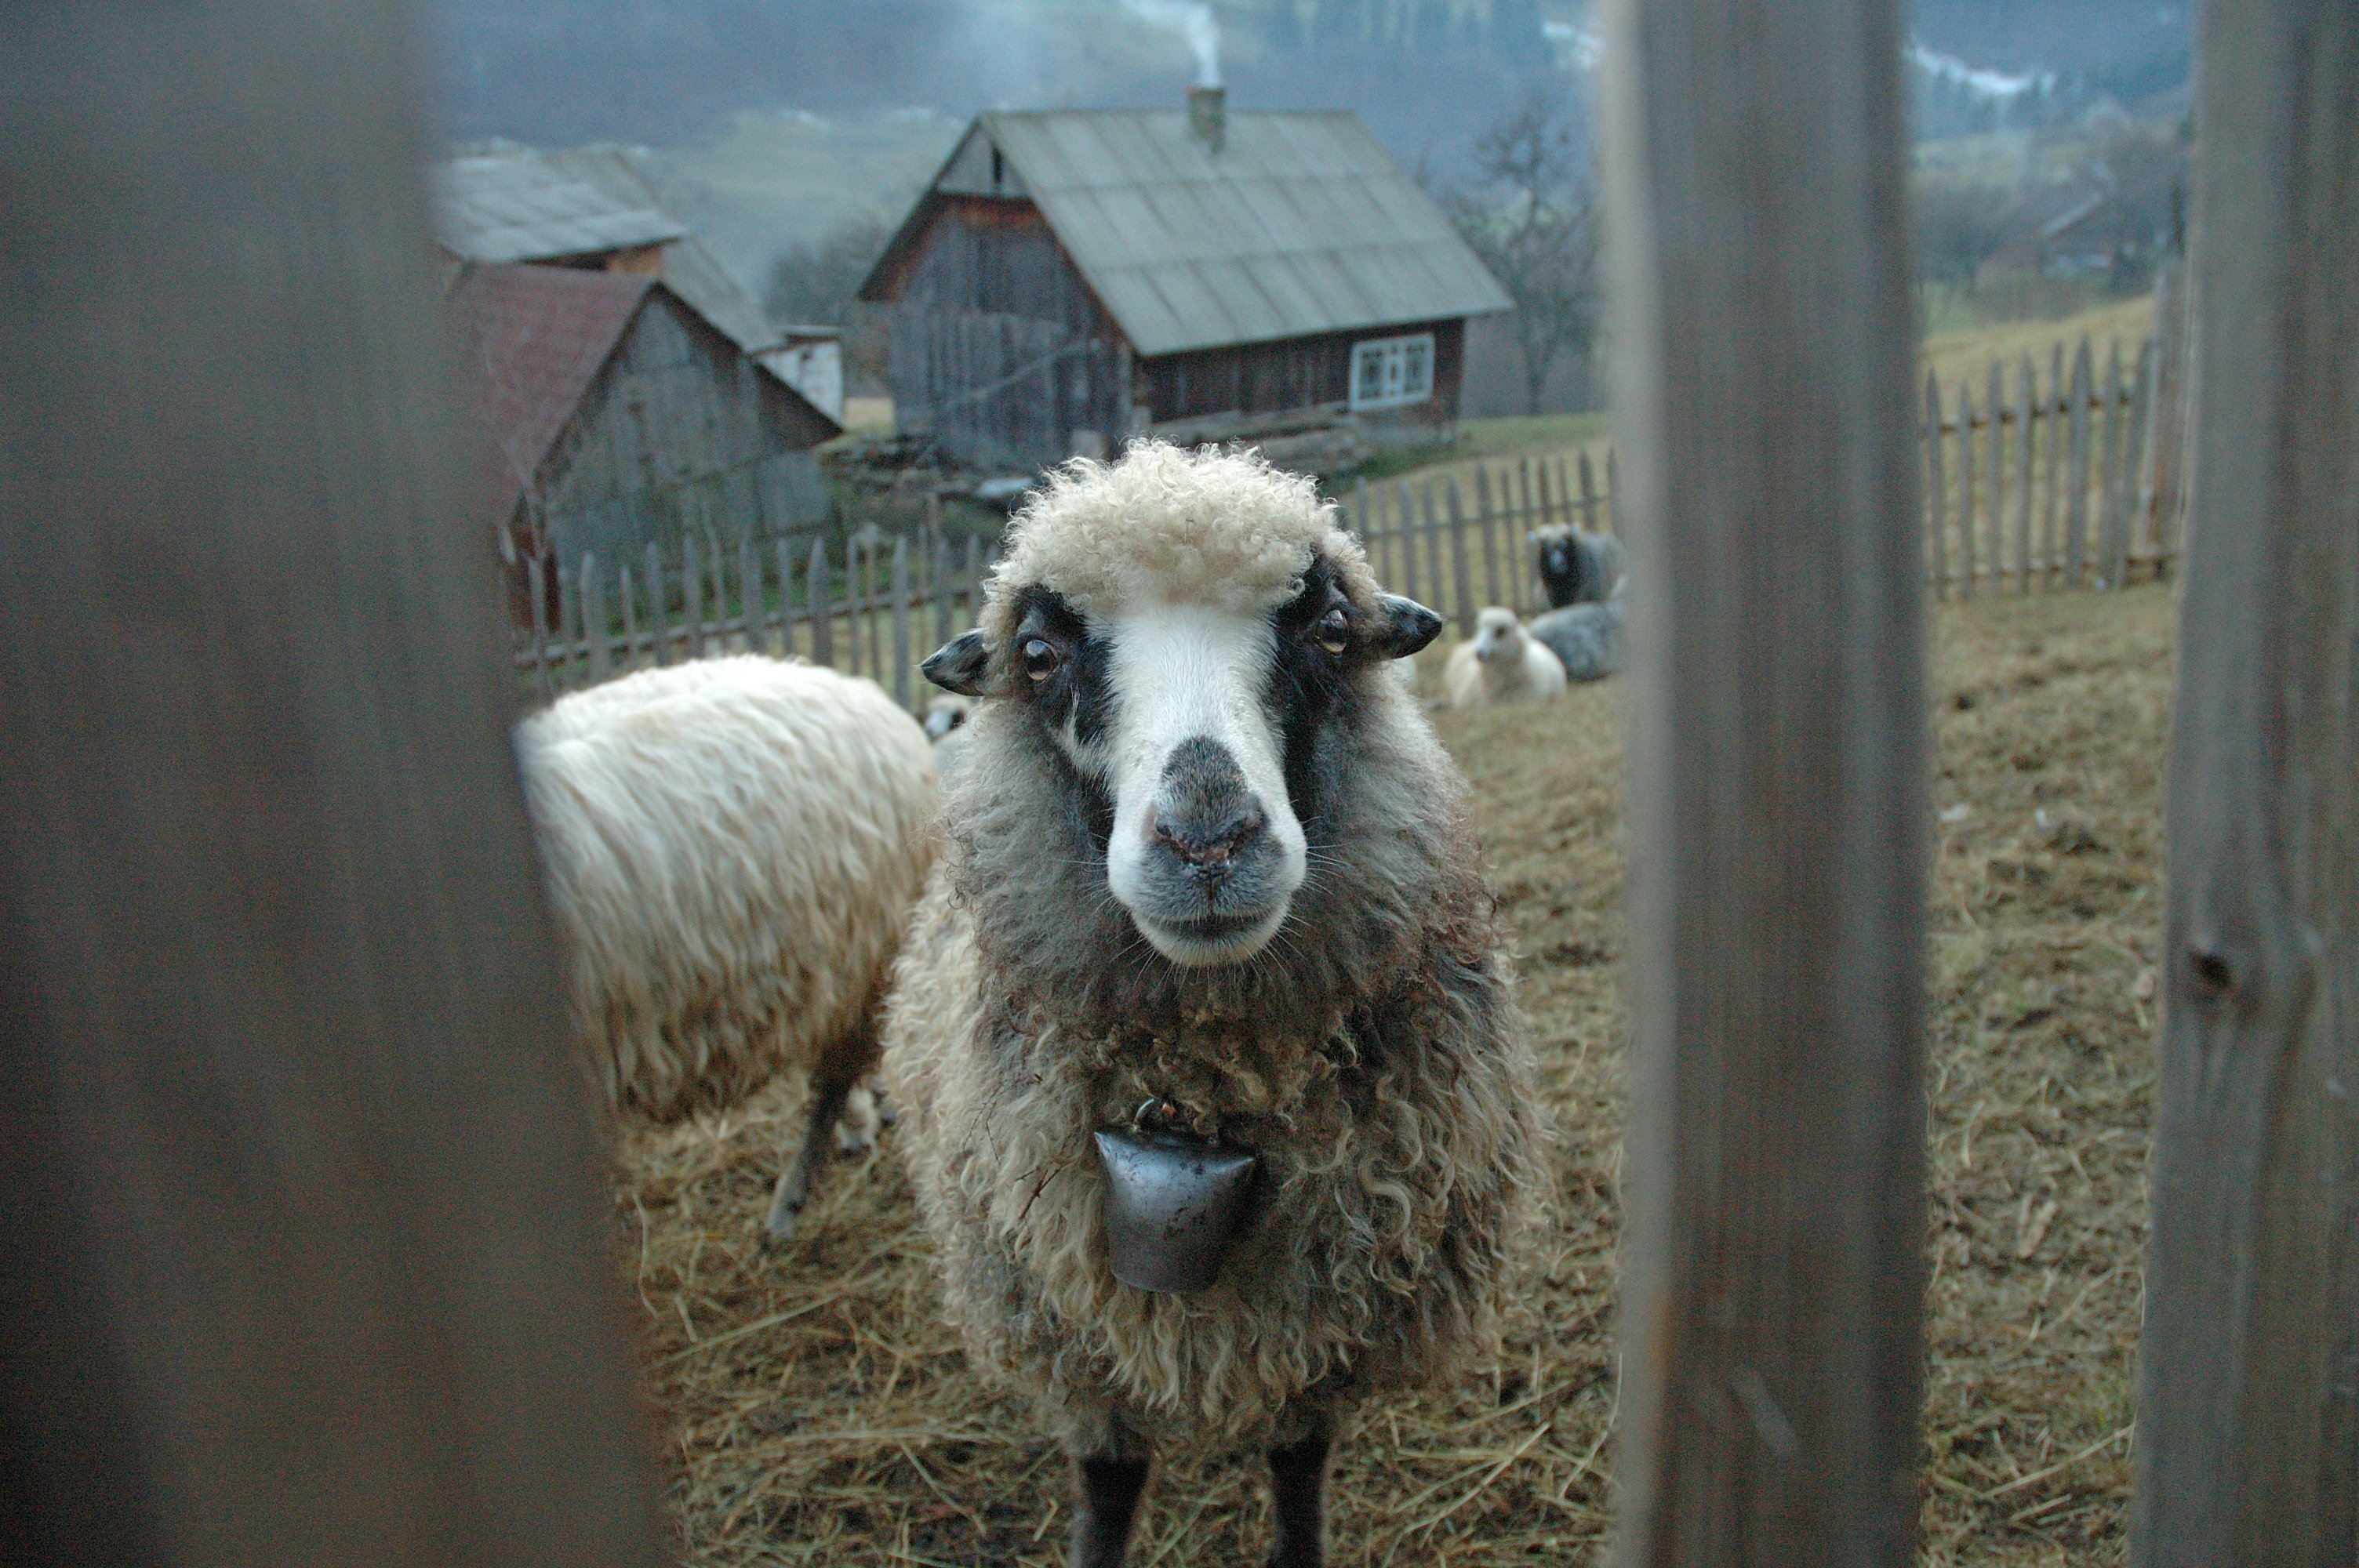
(1205, 815)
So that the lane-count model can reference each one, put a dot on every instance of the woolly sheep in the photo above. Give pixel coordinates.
(1586, 638)
(1205, 852)
(732, 846)
(1577, 567)
(1501, 664)
(945, 721)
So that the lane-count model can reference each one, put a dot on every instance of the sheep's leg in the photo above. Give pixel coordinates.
(827, 1097)
(1109, 1491)
(1298, 1485)
(855, 1130)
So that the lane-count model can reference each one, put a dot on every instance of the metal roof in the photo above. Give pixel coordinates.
(1301, 224)
(528, 205)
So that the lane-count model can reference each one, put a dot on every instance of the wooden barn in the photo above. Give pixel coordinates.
(618, 415)
(1074, 277)
(590, 208)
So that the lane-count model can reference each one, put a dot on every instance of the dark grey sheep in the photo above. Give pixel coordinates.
(1577, 567)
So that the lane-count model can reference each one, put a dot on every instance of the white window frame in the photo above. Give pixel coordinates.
(1392, 373)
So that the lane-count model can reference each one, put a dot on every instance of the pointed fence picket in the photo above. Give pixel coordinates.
(2077, 480)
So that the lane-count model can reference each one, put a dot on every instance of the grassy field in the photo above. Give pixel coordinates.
(814, 1408)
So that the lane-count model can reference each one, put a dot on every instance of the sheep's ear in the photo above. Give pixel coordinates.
(1403, 626)
(962, 665)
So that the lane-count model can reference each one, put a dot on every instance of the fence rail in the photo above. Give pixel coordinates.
(2030, 485)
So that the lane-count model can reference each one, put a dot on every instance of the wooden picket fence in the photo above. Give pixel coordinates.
(2072, 483)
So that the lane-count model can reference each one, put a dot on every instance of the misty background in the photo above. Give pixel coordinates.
(793, 134)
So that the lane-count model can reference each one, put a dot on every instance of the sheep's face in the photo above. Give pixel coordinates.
(1194, 728)
(1498, 636)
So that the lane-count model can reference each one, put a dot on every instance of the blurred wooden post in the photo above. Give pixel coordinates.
(2051, 561)
(749, 592)
(1588, 492)
(623, 586)
(2248, 1409)
(783, 644)
(2173, 386)
(593, 617)
(1612, 491)
(569, 630)
(2131, 508)
(307, 1255)
(1773, 1287)
(2109, 473)
(1937, 488)
(659, 609)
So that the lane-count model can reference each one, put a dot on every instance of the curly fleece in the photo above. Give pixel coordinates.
(1371, 1055)
(731, 847)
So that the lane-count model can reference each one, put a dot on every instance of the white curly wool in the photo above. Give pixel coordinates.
(733, 847)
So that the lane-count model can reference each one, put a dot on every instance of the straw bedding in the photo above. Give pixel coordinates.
(813, 1407)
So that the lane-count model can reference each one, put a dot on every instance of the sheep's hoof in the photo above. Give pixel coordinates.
(778, 1228)
(854, 1139)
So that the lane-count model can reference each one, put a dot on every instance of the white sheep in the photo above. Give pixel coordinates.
(1586, 638)
(1209, 891)
(732, 847)
(1502, 662)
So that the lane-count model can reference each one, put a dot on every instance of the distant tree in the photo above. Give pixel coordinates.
(1959, 226)
(1530, 211)
(817, 282)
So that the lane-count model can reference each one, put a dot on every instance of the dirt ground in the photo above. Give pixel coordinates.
(814, 1408)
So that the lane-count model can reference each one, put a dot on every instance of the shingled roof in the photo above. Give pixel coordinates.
(1300, 223)
(537, 337)
(519, 204)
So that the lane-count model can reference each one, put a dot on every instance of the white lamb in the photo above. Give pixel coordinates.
(1502, 663)
(732, 846)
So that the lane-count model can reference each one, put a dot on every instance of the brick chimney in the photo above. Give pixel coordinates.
(1208, 116)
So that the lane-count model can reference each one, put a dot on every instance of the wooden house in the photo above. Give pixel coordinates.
(1072, 276)
(590, 208)
(619, 415)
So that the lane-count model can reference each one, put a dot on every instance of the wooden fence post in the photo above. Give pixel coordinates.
(659, 609)
(818, 595)
(1406, 535)
(308, 1231)
(1773, 1288)
(2076, 517)
(1432, 530)
(2248, 1410)
(593, 619)
(1612, 491)
(622, 586)
(2051, 558)
(569, 629)
(1588, 492)
(1937, 488)
(1460, 578)
(901, 620)
(749, 592)
(1994, 486)
(2174, 291)
(691, 593)
(536, 585)
(1489, 540)
(2109, 473)
(2026, 398)
(783, 644)
(1965, 493)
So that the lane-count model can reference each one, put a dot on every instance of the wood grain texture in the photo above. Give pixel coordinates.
(306, 1216)
(2246, 1441)
(1772, 1294)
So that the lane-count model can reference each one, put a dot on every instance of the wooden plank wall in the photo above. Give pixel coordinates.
(680, 431)
(308, 1254)
(2248, 1405)
(1772, 1293)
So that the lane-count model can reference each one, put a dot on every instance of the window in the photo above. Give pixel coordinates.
(1389, 372)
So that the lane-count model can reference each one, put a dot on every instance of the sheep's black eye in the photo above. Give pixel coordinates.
(1041, 658)
(1333, 631)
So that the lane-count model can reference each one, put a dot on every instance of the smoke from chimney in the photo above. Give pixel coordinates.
(1193, 21)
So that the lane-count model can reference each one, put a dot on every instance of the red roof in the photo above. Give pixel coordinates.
(537, 337)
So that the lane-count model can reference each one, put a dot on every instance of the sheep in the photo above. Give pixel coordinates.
(1501, 664)
(946, 716)
(733, 847)
(1577, 567)
(1207, 870)
(1586, 638)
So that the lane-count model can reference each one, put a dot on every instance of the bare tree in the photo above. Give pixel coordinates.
(818, 282)
(1530, 212)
